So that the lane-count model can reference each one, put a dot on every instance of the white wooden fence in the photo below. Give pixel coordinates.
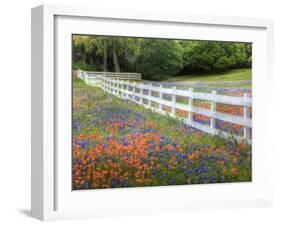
(116, 75)
(135, 92)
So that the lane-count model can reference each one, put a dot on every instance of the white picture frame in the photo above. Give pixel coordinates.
(52, 197)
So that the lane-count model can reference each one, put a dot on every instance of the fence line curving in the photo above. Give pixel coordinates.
(140, 92)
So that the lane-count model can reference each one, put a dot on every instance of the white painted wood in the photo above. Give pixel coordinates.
(174, 96)
(127, 88)
(134, 91)
(217, 115)
(198, 110)
(43, 160)
(246, 116)
(141, 95)
(120, 88)
(149, 95)
(160, 98)
(125, 76)
(190, 105)
(37, 72)
(213, 110)
(237, 101)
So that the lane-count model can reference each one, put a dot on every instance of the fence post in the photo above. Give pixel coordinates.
(121, 89)
(86, 78)
(160, 97)
(128, 89)
(115, 86)
(111, 85)
(141, 95)
(125, 89)
(149, 95)
(246, 115)
(134, 91)
(107, 84)
(130, 95)
(190, 113)
(174, 96)
(213, 110)
(103, 82)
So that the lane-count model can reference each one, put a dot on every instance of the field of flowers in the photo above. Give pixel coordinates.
(117, 143)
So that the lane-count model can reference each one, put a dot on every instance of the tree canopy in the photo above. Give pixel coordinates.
(158, 59)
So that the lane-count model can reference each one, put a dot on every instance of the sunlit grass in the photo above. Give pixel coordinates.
(233, 75)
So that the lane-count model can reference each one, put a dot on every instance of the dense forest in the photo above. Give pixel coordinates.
(158, 59)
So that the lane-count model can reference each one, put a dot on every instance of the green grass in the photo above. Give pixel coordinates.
(233, 75)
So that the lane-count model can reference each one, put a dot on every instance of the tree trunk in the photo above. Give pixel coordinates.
(115, 58)
(104, 56)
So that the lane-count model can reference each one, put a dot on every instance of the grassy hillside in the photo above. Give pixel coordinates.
(233, 75)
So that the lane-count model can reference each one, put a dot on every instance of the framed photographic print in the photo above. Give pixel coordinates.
(134, 112)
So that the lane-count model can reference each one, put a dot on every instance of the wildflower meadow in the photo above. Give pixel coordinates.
(117, 143)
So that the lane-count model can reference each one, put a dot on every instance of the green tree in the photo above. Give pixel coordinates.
(159, 59)
(210, 56)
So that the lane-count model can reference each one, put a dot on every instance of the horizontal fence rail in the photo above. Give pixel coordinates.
(116, 75)
(140, 92)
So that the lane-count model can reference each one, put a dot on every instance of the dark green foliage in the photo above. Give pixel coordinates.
(157, 59)
(223, 63)
(84, 66)
(210, 56)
